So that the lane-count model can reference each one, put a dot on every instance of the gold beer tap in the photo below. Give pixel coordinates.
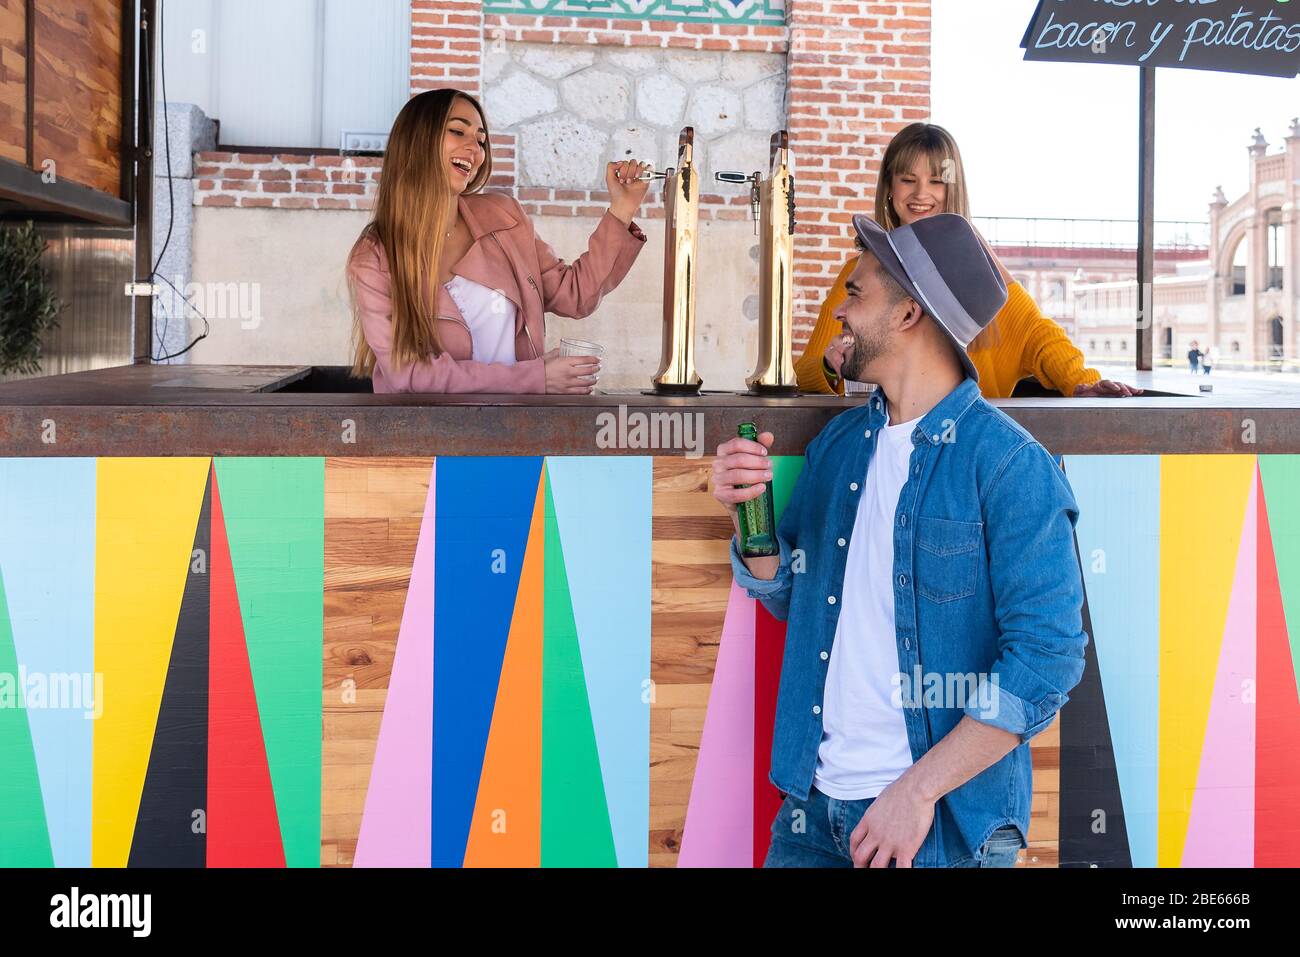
(772, 201)
(677, 375)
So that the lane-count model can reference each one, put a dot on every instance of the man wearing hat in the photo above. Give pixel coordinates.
(928, 573)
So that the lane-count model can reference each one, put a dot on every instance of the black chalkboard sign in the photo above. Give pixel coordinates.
(1235, 36)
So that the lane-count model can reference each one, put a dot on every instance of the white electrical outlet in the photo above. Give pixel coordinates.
(362, 141)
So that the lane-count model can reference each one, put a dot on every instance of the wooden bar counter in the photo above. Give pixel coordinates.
(354, 629)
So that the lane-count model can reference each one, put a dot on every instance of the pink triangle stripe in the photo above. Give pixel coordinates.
(397, 821)
(1221, 830)
(719, 829)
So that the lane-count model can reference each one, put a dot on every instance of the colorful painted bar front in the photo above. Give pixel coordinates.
(543, 661)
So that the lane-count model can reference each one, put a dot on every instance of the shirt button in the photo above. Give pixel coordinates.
(853, 486)
(902, 580)
(916, 470)
(843, 543)
(902, 520)
(936, 438)
(830, 599)
(825, 656)
(817, 709)
(907, 644)
(867, 434)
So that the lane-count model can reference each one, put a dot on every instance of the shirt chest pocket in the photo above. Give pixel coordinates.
(948, 558)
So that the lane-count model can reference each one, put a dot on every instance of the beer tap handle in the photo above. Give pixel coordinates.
(731, 176)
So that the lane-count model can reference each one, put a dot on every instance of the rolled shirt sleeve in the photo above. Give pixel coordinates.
(1029, 516)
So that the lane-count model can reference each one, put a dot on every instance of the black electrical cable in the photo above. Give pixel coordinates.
(146, 84)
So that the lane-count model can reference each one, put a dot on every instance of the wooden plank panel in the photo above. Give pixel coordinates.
(13, 80)
(690, 582)
(1044, 817)
(373, 509)
(78, 101)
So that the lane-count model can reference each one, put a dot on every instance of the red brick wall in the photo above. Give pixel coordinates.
(446, 45)
(285, 180)
(858, 73)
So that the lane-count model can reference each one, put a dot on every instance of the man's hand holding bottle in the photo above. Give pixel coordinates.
(742, 472)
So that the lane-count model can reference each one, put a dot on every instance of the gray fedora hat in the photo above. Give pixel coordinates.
(941, 262)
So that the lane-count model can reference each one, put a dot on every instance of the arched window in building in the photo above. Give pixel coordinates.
(1235, 347)
(1275, 338)
(1123, 345)
(1237, 275)
(1167, 343)
(1108, 345)
(1092, 345)
(1276, 248)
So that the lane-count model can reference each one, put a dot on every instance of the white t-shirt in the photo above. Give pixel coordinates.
(864, 745)
(490, 317)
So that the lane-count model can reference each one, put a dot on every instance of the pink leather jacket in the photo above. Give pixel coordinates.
(506, 255)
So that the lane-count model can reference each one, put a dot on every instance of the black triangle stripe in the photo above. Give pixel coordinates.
(176, 784)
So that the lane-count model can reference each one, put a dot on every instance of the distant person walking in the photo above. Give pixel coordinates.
(1210, 358)
(1194, 358)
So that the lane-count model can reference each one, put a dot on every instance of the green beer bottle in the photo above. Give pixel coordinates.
(758, 515)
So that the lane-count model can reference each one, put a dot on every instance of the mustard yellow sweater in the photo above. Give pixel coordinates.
(1027, 343)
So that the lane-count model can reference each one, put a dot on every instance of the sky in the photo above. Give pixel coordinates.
(1060, 139)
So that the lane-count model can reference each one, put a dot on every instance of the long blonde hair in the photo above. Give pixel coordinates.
(413, 204)
(938, 146)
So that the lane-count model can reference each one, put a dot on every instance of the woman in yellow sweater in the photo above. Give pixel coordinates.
(921, 175)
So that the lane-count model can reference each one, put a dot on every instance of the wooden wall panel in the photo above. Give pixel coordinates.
(78, 108)
(690, 583)
(13, 80)
(1044, 813)
(373, 509)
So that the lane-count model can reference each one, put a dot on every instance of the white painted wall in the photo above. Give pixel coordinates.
(289, 263)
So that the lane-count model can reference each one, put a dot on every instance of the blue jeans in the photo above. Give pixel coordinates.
(816, 832)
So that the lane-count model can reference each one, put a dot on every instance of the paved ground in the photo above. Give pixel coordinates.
(1261, 385)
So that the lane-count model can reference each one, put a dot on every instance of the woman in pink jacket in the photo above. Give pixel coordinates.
(450, 285)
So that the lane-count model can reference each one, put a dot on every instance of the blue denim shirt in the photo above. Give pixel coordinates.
(988, 599)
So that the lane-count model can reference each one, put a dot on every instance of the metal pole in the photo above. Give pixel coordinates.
(1146, 218)
(142, 198)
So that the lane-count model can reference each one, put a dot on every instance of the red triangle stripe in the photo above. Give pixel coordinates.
(1277, 715)
(243, 828)
(769, 648)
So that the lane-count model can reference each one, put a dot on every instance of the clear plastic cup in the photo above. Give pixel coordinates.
(581, 347)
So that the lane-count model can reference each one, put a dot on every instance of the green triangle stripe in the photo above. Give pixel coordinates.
(24, 836)
(1281, 477)
(785, 472)
(575, 815)
(274, 511)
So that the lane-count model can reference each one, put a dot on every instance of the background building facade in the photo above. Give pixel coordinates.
(1236, 288)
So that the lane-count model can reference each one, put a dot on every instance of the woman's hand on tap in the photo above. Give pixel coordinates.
(626, 188)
